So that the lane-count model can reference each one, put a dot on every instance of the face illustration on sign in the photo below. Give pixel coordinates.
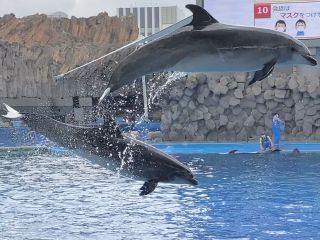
(280, 26)
(300, 27)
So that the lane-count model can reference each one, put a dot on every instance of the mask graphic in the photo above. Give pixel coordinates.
(300, 29)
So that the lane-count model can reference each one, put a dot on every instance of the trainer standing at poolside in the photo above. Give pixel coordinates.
(277, 127)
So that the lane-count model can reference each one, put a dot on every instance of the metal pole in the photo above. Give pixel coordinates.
(145, 98)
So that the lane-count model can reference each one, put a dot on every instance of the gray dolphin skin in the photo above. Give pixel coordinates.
(205, 45)
(108, 147)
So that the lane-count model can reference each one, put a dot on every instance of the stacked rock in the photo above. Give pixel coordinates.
(213, 107)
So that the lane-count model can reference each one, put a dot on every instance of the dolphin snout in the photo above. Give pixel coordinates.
(193, 181)
(311, 60)
(187, 177)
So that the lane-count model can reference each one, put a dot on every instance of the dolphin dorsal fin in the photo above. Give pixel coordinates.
(201, 17)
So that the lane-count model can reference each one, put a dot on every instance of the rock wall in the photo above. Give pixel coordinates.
(35, 48)
(222, 108)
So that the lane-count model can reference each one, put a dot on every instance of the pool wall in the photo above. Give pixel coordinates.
(222, 108)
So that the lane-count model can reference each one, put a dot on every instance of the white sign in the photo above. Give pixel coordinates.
(235, 12)
(299, 19)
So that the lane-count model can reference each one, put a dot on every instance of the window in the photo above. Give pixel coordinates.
(142, 18)
(135, 14)
(120, 12)
(156, 17)
(127, 11)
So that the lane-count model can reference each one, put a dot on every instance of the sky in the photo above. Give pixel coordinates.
(78, 8)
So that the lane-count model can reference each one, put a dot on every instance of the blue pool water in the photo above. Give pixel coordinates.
(245, 196)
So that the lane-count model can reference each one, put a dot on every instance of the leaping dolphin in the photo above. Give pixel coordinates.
(109, 147)
(205, 45)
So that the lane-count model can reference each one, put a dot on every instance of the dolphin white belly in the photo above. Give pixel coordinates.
(229, 60)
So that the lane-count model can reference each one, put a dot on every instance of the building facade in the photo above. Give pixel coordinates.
(154, 16)
(151, 19)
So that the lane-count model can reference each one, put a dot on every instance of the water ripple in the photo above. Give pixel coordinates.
(239, 197)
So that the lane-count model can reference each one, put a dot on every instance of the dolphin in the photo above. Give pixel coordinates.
(108, 146)
(205, 45)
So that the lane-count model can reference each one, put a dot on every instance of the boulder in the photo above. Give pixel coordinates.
(238, 93)
(206, 116)
(232, 85)
(202, 78)
(188, 92)
(191, 82)
(297, 97)
(210, 124)
(166, 117)
(212, 136)
(241, 77)
(236, 110)
(183, 103)
(223, 121)
(260, 130)
(271, 104)
(200, 99)
(249, 122)
(196, 115)
(221, 89)
(192, 105)
(256, 89)
(312, 110)
(203, 109)
(203, 90)
(231, 125)
(225, 101)
(281, 82)
(289, 102)
(176, 92)
(260, 99)
(242, 135)
(271, 81)
(213, 111)
(288, 117)
(299, 115)
(220, 110)
(268, 94)
(307, 129)
(299, 106)
(234, 101)
(211, 100)
(262, 108)
(317, 123)
(246, 103)
(293, 83)
(176, 127)
(256, 114)
(279, 93)
(174, 136)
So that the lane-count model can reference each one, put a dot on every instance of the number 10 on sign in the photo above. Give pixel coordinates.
(262, 10)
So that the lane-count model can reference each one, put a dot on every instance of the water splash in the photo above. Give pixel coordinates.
(156, 91)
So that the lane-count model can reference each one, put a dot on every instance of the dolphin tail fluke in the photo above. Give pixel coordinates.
(11, 113)
(105, 93)
(148, 187)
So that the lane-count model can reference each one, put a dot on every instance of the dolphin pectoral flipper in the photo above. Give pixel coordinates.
(264, 72)
(148, 187)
